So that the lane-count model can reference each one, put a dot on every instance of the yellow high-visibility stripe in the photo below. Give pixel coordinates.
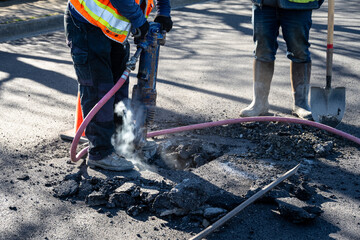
(113, 13)
(112, 22)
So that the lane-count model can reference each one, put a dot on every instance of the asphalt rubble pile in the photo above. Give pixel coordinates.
(191, 201)
(188, 200)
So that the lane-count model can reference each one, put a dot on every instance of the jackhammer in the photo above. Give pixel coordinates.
(144, 92)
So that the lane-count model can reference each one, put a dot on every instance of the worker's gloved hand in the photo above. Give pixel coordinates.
(140, 32)
(166, 22)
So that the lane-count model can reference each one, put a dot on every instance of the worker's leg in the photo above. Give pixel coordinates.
(91, 54)
(265, 32)
(93, 87)
(300, 83)
(262, 75)
(296, 27)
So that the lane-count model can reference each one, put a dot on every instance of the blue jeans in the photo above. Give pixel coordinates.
(295, 25)
(99, 62)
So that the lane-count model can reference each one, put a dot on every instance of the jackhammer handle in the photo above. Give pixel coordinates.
(131, 64)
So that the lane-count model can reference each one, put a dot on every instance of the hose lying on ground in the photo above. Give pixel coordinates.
(76, 157)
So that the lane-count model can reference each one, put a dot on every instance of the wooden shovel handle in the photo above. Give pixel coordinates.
(330, 40)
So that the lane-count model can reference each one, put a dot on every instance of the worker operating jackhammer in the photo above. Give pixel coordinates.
(97, 34)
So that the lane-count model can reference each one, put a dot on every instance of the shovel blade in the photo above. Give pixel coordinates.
(328, 105)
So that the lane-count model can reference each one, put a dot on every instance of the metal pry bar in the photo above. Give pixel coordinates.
(236, 210)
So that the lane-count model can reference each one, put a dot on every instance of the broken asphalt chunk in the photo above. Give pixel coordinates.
(293, 210)
(96, 199)
(189, 194)
(66, 189)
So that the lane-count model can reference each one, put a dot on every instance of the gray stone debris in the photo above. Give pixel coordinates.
(121, 200)
(126, 188)
(271, 196)
(194, 153)
(66, 189)
(96, 199)
(148, 195)
(294, 210)
(162, 203)
(23, 177)
(205, 223)
(74, 176)
(223, 199)
(322, 149)
(136, 210)
(211, 212)
(174, 211)
(303, 192)
(189, 194)
(85, 188)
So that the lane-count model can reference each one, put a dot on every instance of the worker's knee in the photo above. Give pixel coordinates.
(296, 35)
(298, 51)
(264, 37)
(91, 95)
(301, 57)
(265, 50)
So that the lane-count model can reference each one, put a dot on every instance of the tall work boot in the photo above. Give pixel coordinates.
(300, 83)
(263, 73)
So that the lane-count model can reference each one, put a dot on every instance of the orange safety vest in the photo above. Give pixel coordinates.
(104, 15)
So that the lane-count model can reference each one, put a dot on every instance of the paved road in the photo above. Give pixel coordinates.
(21, 18)
(205, 74)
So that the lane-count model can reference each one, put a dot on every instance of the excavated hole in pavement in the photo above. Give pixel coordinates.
(190, 201)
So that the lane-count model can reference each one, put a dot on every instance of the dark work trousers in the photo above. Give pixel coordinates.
(99, 62)
(295, 25)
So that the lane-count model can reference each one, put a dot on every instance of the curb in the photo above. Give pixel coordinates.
(34, 26)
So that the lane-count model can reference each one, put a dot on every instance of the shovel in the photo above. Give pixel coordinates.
(328, 104)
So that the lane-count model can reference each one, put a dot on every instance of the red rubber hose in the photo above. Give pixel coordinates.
(255, 119)
(76, 157)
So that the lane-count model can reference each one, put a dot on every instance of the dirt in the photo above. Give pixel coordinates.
(196, 177)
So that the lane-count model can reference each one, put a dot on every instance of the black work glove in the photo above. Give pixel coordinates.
(140, 32)
(166, 22)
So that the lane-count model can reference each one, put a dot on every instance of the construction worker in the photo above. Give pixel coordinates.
(97, 33)
(294, 17)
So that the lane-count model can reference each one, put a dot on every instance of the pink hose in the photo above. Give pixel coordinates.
(76, 157)
(255, 119)
(91, 114)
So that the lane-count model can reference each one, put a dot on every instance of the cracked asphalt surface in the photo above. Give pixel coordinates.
(204, 75)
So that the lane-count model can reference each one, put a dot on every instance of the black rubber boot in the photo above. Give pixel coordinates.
(300, 82)
(263, 73)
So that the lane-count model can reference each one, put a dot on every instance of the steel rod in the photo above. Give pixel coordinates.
(253, 198)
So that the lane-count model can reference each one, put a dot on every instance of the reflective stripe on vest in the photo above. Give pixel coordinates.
(104, 15)
(303, 1)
